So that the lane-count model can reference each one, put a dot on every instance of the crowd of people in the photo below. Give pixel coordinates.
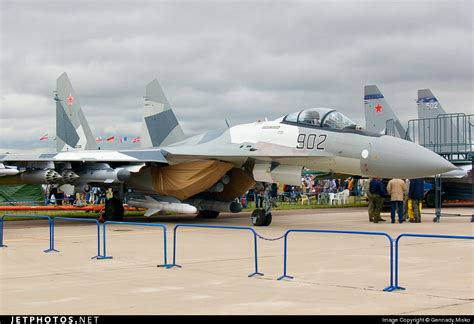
(405, 195)
(405, 198)
(113, 205)
(96, 196)
(311, 184)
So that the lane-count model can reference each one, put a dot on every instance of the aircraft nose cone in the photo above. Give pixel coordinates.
(437, 164)
(391, 157)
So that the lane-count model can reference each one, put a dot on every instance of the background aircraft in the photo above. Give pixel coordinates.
(208, 171)
(377, 112)
(442, 132)
(435, 129)
(72, 130)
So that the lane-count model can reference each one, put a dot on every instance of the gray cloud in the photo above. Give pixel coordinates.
(239, 61)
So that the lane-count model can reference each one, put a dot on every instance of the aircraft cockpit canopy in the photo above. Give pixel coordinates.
(321, 117)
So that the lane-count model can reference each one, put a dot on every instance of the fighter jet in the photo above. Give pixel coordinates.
(441, 131)
(446, 134)
(205, 173)
(428, 105)
(72, 130)
(378, 112)
(430, 131)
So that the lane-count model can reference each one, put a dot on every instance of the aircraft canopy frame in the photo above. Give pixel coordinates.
(320, 117)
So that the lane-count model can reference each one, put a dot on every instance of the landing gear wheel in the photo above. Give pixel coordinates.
(268, 220)
(259, 218)
(207, 214)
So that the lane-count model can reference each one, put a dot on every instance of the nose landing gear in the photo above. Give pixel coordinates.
(263, 216)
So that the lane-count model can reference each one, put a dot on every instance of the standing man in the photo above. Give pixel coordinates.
(370, 199)
(377, 189)
(113, 209)
(405, 200)
(396, 189)
(415, 193)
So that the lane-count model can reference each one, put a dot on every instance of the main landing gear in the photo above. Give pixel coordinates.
(207, 214)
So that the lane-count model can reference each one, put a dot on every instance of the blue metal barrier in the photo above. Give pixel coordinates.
(397, 287)
(28, 216)
(389, 288)
(82, 220)
(220, 227)
(104, 256)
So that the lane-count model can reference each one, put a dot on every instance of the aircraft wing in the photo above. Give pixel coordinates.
(259, 150)
(138, 156)
(230, 152)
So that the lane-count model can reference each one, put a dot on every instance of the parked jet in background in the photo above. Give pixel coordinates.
(159, 124)
(447, 134)
(378, 112)
(72, 130)
(442, 132)
(428, 105)
(208, 171)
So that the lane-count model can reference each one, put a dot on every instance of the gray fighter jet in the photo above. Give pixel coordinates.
(435, 128)
(378, 112)
(205, 173)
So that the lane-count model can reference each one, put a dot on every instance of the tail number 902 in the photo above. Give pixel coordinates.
(311, 141)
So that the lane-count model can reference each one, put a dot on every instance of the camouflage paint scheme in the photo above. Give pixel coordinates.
(268, 151)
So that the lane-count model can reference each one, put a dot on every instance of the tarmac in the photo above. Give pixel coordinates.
(334, 274)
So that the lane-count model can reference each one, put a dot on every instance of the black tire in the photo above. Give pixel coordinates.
(430, 199)
(268, 220)
(208, 214)
(260, 219)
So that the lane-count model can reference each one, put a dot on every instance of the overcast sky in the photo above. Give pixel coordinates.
(234, 60)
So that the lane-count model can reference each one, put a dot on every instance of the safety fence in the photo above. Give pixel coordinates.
(285, 248)
(104, 228)
(394, 243)
(28, 216)
(244, 228)
(77, 220)
(397, 240)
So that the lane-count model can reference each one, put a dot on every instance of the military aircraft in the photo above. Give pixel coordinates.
(442, 132)
(428, 105)
(205, 173)
(378, 112)
(72, 130)
(435, 128)
(447, 134)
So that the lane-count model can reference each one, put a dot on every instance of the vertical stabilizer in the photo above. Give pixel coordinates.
(445, 132)
(159, 124)
(72, 130)
(378, 112)
(428, 105)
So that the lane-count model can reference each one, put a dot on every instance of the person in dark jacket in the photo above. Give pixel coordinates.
(113, 208)
(415, 193)
(377, 191)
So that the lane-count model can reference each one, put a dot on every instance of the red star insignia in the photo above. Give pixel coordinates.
(69, 100)
(378, 108)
